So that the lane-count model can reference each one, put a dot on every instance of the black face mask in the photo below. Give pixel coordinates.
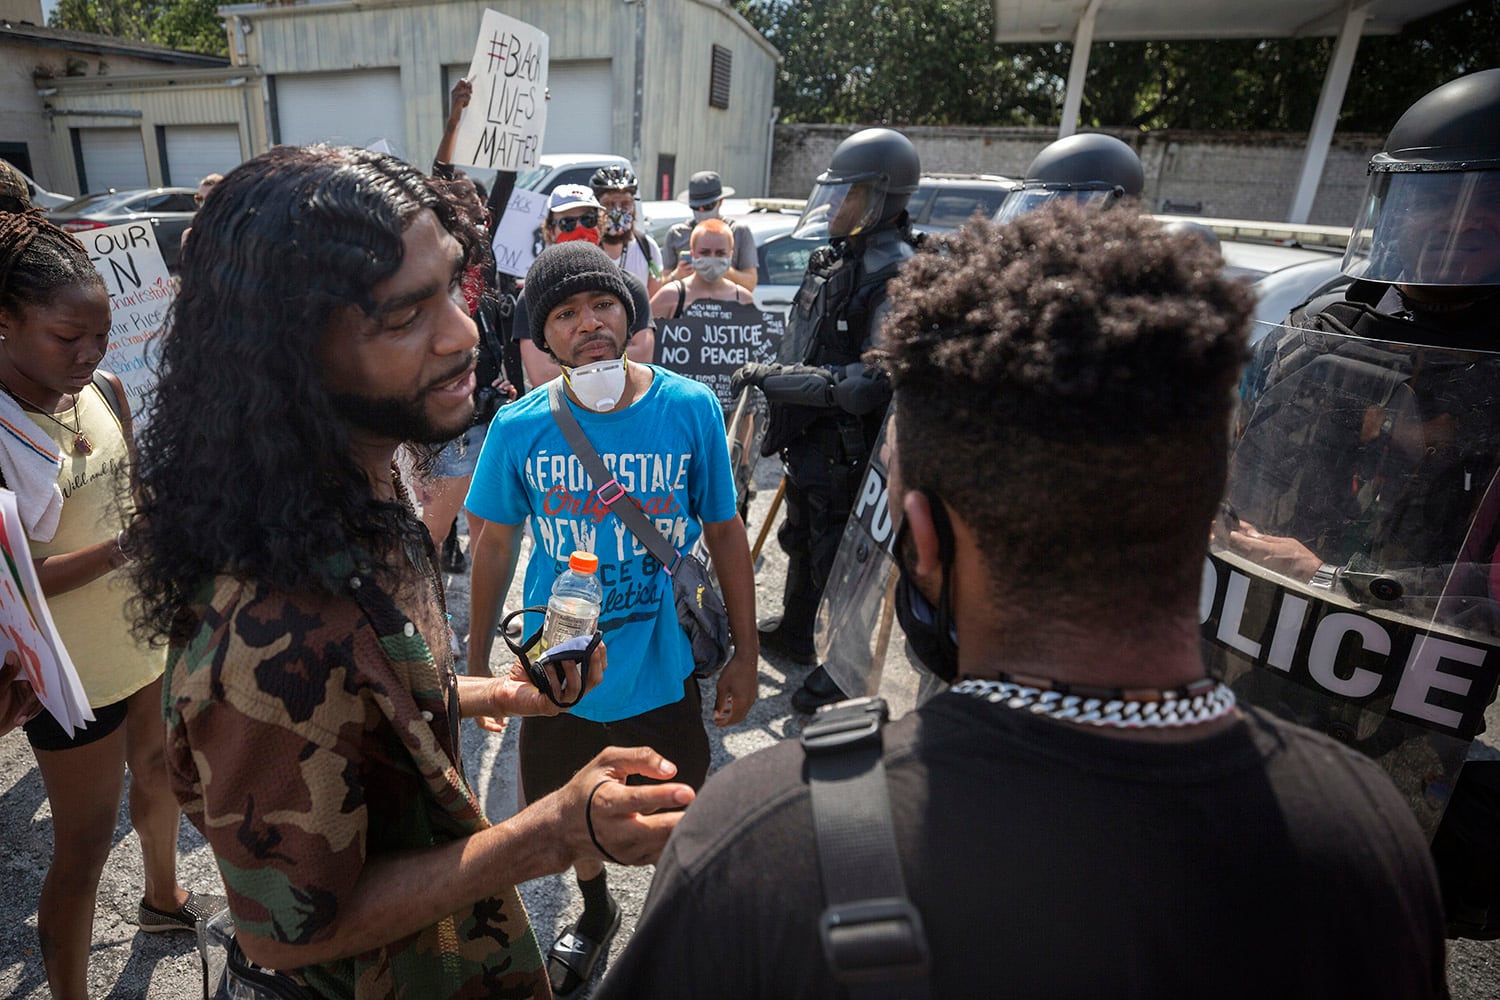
(929, 629)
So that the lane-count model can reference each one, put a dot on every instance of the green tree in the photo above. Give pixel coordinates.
(915, 62)
(191, 25)
(934, 62)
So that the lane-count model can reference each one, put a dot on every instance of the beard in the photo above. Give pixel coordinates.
(401, 419)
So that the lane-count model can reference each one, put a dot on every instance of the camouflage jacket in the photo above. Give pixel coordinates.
(307, 733)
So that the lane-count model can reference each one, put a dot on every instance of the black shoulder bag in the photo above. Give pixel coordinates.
(700, 609)
(873, 938)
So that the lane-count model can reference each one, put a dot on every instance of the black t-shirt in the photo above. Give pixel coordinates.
(1050, 861)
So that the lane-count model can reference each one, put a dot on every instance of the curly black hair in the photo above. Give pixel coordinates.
(1064, 383)
(244, 463)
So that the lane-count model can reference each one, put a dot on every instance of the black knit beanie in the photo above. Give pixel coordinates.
(565, 269)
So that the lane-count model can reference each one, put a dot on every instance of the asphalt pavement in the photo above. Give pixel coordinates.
(125, 964)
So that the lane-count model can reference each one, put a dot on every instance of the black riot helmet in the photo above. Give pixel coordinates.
(1090, 168)
(869, 180)
(1432, 208)
(613, 178)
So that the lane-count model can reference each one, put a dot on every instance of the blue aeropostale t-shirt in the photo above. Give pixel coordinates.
(667, 449)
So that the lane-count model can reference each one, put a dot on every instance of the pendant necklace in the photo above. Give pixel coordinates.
(81, 443)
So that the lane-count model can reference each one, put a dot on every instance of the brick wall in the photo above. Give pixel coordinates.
(1224, 174)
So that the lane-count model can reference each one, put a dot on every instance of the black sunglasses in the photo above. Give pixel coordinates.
(587, 220)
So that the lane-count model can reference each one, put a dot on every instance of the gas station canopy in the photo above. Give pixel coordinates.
(1081, 22)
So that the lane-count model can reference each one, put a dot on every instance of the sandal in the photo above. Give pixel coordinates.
(571, 960)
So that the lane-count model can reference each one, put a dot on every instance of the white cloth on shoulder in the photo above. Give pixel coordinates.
(30, 462)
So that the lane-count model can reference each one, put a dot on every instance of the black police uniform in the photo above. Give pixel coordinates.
(825, 436)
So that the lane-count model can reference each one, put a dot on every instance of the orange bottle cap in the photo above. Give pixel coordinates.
(583, 562)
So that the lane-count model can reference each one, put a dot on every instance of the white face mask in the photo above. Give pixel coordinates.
(598, 386)
(704, 214)
(710, 268)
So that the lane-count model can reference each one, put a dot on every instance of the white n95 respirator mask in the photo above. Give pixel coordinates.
(598, 386)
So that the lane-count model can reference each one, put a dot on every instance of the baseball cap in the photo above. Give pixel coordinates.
(566, 196)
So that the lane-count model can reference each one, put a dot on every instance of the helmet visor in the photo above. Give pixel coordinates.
(1428, 228)
(1024, 200)
(841, 209)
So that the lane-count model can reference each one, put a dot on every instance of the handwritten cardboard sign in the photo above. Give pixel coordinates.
(711, 339)
(503, 125)
(26, 627)
(518, 238)
(140, 290)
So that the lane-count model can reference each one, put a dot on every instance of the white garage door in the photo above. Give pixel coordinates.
(580, 115)
(195, 151)
(112, 158)
(351, 109)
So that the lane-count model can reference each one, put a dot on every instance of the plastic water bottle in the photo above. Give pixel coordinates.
(577, 597)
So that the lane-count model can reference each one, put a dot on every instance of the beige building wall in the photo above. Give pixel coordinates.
(27, 73)
(678, 120)
(421, 38)
(225, 97)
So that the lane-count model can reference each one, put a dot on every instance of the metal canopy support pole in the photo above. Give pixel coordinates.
(1083, 41)
(1326, 117)
(640, 85)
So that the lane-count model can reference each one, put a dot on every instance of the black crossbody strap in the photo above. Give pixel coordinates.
(606, 487)
(873, 938)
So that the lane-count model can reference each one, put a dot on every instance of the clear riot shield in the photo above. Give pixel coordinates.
(856, 624)
(1352, 579)
(744, 431)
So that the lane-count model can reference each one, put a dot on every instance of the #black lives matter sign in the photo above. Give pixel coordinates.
(503, 125)
(711, 339)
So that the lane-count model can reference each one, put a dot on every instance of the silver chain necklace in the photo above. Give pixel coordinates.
(1201, 701)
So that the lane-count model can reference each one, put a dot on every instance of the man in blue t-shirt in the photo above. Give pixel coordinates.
(662, 436)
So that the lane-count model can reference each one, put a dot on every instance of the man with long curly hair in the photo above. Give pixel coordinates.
(1085, 812)
(311, 702)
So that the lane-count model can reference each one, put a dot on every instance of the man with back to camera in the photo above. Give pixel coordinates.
(705, 195)
(662, 436)
(312, 706)
(1085, 813)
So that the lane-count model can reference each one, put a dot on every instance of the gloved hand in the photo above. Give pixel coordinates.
(861, 389)
(754, 373)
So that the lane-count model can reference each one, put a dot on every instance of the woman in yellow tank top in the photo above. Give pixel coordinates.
(54, 329)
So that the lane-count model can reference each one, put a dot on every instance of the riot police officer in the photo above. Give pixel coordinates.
(826, 404)
(1363, 490)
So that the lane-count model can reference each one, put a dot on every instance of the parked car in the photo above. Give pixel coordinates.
(941, 204)
(169, 210)
(657, 217)
(565, 168)
(40, 196)
(944, 202)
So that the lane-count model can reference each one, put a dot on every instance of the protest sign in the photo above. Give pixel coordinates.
(711, 339)
(502, 127)
(26, 627)
(140, 290)
(518, 238)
